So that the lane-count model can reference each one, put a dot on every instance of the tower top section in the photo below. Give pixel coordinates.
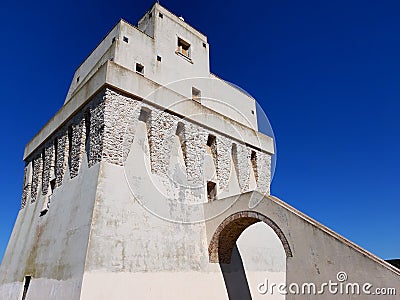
(164, 61)
(166, 50)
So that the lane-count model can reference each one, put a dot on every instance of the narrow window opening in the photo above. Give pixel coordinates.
(113, 40)
(183, 47)
(253, 159)
(234, 150)
(150, 14)
(160, 15)
(45, 208)
(144, 115)
(139, 68)
(47, 199)
(211, 191)
(212, 144)
(211, 140)
(53, 165)
(158, 58)
(252, 112)
(43, 157)
(27, 281)
(196, 94)
(52, 185)
(77, 79)
(125, 39)
(204, 45)
(180, 129)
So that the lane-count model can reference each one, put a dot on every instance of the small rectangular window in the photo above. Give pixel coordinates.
(183, 47)
(211, 140)
(52, 185)
(158, 58)
(180, 129)
(196, 95)
(125, 39)
(144, 115)
(45, 208)
(211, 191)
(160, 15)
(139, 68)
(253, 159)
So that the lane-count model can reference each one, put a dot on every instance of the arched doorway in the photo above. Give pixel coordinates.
(250, 248)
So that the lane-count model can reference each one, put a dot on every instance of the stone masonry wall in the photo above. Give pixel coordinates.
(120, 115)
(47, 165)
(37, 163)
(223, 161)
(243, 166)
(264, 172)
(111, 119)
(161, 132)
(65, 150)
(27, 184)
(62, 156)
(78, 145)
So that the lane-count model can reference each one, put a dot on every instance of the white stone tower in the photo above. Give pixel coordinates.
(153, 182)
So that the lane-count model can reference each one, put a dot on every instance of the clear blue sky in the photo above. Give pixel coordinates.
(326, 72)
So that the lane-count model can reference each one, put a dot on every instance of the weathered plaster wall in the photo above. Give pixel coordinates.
(104, 51)
(50, 246)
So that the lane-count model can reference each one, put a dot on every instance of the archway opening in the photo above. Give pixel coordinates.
(229, 236)
(249, 248)
(227, 233)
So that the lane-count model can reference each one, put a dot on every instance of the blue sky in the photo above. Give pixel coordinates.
(327, 74)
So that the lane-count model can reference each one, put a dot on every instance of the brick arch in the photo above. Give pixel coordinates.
(227, 233)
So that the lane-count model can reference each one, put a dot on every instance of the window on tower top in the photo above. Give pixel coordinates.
(183, 47)
(139, 68)
(211, 191)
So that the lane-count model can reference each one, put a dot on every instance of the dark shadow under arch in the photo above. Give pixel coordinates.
(235, 279)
